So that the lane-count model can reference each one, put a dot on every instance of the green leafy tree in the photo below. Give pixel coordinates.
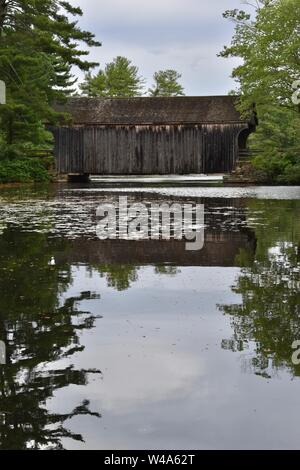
(277, 142)
(39, 45)
(120, 78)
(269, 45)
(166, 83)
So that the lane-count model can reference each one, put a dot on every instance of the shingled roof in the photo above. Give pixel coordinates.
(143, 111)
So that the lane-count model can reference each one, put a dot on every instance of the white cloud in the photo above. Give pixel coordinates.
(156, 11)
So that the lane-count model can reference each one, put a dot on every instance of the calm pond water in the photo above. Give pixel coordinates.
(141, 344)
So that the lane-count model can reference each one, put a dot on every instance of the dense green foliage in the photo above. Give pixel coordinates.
(166, 83)
(39, 45)
(120, 78)
(23, 171)
(269, 44)
(278, 141)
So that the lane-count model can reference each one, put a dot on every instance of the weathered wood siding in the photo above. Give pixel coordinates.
(147, 149)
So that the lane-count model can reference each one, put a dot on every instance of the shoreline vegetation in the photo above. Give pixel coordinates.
(27, 170)
(267, 40)
(41, 43)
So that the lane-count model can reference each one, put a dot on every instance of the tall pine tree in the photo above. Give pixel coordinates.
(166, 83)
(39, 45)
(120, 79)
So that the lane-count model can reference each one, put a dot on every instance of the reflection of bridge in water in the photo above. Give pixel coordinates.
(220, 249)
(227, 242)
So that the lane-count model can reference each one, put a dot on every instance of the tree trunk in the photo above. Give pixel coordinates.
(10, 131)
(3, 9)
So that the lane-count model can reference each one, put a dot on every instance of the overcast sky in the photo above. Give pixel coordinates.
(182, 34)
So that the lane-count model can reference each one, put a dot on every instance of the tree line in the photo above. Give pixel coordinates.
(121, 79)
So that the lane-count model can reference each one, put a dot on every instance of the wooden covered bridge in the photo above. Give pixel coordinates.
(151, 136)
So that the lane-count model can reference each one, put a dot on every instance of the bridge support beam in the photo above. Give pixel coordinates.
(79, 178)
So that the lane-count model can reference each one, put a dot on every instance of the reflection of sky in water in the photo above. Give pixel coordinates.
(257, 192)
(166, 382)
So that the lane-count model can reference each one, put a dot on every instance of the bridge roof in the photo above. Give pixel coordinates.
(152, 111)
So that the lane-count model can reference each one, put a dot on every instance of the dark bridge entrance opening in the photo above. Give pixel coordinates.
(243, 138)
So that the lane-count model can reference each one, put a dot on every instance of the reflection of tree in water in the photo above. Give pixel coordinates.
(39, 332)
(167, 269)
(269, 316)
(122, 276)
(118, 276)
